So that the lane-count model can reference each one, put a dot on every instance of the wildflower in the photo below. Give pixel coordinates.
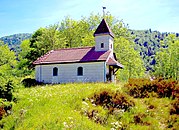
(85, 103)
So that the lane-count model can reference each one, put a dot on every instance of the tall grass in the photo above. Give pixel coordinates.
(53, 107)
(68, 106)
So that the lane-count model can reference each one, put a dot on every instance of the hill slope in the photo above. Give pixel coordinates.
(15, 40)
(148, 43)
(66, 106)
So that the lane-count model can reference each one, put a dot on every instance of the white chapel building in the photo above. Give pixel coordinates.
(85, 64)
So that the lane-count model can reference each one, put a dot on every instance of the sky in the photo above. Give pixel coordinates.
(26, 16)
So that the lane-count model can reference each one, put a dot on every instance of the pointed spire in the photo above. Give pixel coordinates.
(103, 28)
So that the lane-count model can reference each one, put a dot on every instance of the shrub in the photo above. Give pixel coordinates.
(5, 107)
(29, 82)
(112, 100)
(175, 107)
(6, 91)
(106, 102)
(2, 112)
(173, 122)
(141, 88)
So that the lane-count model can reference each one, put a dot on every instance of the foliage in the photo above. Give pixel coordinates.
(7, 65)
(175, 107)
(167, 59)
(105, 103)
(7, 77)
(148, 42)
(173, 122)
(29, 82)
(141, 88)
(112, 100)
(5, 108)
(6, 91)
(130, 58)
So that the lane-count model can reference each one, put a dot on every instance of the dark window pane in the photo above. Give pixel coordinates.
(102, 45)
(55, 71)
(80, 71)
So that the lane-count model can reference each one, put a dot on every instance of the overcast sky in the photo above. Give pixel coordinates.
(26, 16)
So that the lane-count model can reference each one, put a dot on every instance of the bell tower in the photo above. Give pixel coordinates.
(104, 37)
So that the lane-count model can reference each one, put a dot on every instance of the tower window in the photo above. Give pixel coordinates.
(55, 71)
(102, 45)
(111, 46)
(80, 71)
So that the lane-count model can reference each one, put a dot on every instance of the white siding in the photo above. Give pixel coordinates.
(92, 72)
(106, 39)
(37, 73)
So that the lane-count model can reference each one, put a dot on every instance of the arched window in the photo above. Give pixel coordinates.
(80, 71)
(102, 45)
(55, 71)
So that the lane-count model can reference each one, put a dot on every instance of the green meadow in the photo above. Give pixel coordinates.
(68, 106)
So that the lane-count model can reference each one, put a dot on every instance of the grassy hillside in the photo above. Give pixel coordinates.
(49, 107)
(69, 106)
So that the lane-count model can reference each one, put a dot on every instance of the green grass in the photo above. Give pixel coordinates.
(56, 107)
(53, 107)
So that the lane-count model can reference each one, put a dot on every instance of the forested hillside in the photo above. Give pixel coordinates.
(15, 40)
(149, 42)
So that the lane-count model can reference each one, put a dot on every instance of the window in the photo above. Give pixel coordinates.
(111, 46)
(102, 45)
(55, 71)
(80, 71)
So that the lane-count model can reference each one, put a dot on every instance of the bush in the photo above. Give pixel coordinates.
(29, 82)
(6, 91)
(173, 122)
(112, 100)
(141, 88)
(139, 119)
(5, 107)
(175, 107)
(2, 112)
(106, 102)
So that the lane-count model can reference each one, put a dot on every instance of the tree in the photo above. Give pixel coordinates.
(24, 63)
(7, 60)
(167, 59)
(130, 58)
(7, 71)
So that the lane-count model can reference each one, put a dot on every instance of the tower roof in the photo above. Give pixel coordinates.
(103, 28)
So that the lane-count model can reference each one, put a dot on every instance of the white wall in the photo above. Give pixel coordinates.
(106, 39)
(92, 72)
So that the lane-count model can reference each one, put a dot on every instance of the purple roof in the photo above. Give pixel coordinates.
(84, 54)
